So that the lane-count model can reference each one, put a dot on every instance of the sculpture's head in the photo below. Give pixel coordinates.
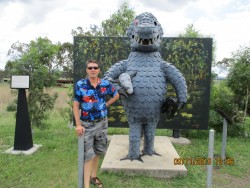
(145, 33)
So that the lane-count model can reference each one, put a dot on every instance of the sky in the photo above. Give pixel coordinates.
(226, 21)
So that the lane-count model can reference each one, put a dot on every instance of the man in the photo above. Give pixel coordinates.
(90, 96)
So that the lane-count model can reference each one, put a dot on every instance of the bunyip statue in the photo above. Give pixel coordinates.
(143, 79)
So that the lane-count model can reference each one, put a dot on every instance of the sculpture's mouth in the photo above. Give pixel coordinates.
(145, 42)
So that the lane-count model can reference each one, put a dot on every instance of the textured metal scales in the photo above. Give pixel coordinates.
(143, 106)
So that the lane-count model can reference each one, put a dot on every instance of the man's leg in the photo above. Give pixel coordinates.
(87, 171)
(95, 166)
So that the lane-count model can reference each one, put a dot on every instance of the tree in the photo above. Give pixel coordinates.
(93, 30)
(116, 25)
(191, 32)
(40, 59)
(118, 22)
(225, 63)
(2, 73)
(239, 77)
(65, 58)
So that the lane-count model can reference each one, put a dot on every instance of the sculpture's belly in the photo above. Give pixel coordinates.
(149, 86)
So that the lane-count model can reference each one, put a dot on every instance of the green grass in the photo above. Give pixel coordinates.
(54, 165)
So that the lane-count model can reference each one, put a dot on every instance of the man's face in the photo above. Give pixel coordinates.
(92, 70)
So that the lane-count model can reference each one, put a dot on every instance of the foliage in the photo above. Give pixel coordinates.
(2, 74)
(39, 59)
(65, 57)
(94, 30)
(239, 77)
(224, 99)
(116, 25)
(12, 106)
(190, 31)
(225, 64)
(223, 104)
(118, 22)
(67, 112)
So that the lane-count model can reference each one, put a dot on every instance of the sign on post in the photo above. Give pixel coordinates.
(20, 82)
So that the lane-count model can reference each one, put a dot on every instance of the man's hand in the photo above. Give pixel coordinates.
(80, 130)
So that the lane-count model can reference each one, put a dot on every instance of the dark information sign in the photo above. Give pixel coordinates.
(192, 56)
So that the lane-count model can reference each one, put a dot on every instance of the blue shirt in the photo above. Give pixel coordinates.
(92, 100)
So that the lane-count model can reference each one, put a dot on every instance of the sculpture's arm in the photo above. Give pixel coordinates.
(175, 78)
(115, 71)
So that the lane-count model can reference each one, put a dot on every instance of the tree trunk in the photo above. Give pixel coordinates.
(246, 104)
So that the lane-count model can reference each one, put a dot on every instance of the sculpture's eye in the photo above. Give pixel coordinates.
(155, 23)
(136, 22)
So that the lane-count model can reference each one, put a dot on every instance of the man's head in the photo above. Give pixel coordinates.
(92, 68)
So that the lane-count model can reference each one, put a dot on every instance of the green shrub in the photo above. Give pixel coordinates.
(12, 106)
(223, 102)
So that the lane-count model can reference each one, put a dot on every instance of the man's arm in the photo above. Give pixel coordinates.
(112, 100)
(79, 128)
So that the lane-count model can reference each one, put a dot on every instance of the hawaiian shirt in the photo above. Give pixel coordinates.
(93, 100)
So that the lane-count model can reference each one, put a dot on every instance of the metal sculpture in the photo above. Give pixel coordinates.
(149, 76)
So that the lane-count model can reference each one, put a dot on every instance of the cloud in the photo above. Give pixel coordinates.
(166, 5)
(14, 1)
(34, 14)
(25, 20)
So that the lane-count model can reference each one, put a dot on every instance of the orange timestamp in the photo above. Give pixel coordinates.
(221, 161)
(203, 161)
(192, 161)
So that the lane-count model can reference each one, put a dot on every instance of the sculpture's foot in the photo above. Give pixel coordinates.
(150, 154)
(131, 158)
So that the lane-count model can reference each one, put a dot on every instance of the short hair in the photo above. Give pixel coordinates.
(92, 61)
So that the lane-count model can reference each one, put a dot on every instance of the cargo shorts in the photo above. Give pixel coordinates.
(95, 138)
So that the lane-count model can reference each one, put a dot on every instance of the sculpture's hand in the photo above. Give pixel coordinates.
(170, 107)
(122, 91)
(126, 82)
(181, 105)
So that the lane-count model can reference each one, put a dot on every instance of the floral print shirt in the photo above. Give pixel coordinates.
(93, 100)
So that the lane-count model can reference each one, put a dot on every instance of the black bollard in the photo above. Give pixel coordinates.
(23, 136)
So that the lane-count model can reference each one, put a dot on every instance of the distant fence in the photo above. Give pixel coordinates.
(5, 80)
(64, 81)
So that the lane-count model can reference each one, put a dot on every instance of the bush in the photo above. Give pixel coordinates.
(12, 106)
(223, 101)
(67, 112)
(215, 120)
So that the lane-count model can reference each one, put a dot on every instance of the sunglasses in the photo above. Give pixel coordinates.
(90, 68)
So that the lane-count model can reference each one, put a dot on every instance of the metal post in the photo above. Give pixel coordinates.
(210, 156)
(80, 161)
(224, 139)
(176, 133)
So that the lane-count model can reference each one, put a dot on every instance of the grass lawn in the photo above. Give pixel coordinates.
(54, 165)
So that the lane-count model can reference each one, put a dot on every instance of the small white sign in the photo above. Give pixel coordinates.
(20, 82)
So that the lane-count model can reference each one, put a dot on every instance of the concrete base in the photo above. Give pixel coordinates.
(25, 152)
(153, 166)
(181, 141)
